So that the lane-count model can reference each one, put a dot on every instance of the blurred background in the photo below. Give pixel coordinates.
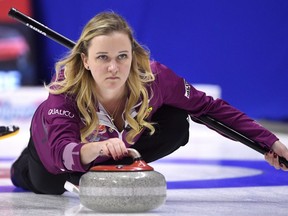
(240, 46)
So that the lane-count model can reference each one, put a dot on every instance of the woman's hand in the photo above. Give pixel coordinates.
(272, 157)
(113, 147)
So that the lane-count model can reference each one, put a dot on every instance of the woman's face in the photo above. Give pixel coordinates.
(109, 60)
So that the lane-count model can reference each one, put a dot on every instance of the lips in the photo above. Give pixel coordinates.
(112, 78)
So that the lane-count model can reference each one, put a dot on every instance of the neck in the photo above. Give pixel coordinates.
(111, 97)
(114, 106)
(113, 103)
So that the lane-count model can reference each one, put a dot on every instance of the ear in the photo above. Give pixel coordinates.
(85, 61)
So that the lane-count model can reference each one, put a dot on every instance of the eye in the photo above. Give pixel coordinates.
(122, 56)
(102, 57)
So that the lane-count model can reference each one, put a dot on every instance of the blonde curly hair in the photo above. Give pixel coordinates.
(79, 83)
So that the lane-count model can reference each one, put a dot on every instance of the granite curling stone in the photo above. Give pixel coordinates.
(123, 188)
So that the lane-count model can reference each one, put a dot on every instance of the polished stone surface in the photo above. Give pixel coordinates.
(125, 192)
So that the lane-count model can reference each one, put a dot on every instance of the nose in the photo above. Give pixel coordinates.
(113, 68)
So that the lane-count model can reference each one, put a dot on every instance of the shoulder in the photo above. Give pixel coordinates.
(164, 73)
(60, 107)
(157, 67)
(61, 99)
(58, 103)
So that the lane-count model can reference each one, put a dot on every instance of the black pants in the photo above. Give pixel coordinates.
(172, 132)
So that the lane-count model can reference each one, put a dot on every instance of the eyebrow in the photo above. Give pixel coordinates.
(123, 51)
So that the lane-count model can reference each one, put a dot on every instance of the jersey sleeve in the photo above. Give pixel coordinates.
(176, 91)
(56, 134)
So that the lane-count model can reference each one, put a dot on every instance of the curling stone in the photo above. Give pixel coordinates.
(123, 188)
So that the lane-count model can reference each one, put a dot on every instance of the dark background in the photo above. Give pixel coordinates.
(241, 46)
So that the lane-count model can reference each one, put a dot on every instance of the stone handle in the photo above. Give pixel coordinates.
(134, 154)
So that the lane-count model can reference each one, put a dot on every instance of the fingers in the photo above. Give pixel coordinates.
(113, 147)
(273, 159)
